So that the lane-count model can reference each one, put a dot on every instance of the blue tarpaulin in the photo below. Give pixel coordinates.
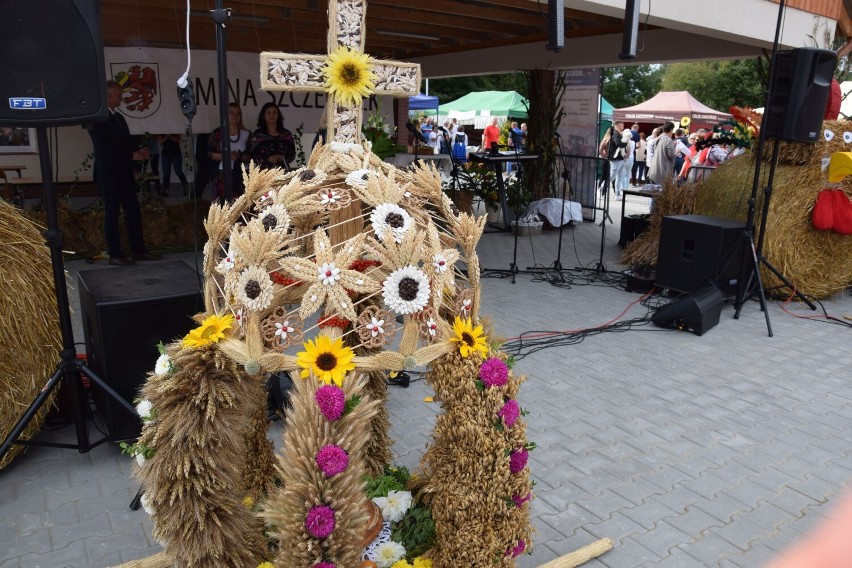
(422, 102)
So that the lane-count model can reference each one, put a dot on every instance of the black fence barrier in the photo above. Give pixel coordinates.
(586, 173)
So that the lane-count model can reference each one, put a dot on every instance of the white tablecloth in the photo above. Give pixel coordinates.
(551, 209)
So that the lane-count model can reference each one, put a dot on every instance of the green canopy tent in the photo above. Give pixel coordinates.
(477, 108)
(604, 117)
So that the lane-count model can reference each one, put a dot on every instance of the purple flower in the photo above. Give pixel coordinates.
(494, 373)
(510, 413)
(325, 565)
(518, 460)
(331, 401)
(517, 550)
(332, 460)
(519, 501)
(320, 521)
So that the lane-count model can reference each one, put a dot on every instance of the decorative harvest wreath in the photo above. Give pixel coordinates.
(307, 272)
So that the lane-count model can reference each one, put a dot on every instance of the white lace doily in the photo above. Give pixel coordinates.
(384, 536)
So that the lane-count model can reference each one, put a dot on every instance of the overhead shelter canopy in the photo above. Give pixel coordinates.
(671, 105)
(422, 102)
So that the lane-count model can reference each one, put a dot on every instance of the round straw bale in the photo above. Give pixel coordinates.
(30, 338)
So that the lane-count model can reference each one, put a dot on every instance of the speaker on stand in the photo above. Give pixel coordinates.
(799, 87)
(52, 64)
(802, 88)
(43, 44)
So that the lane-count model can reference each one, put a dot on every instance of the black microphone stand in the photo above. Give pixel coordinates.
(566, 185)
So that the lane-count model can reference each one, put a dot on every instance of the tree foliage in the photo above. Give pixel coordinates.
(450, 89)
(628, 86)
(718, 84)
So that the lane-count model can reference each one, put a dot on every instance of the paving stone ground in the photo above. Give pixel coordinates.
(686, 451)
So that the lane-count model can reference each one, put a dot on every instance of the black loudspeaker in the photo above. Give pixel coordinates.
(802, 86)
(555, 25)
(52, 63)
(695, 250)
(126, 313)
(631, 30)
(697, 313)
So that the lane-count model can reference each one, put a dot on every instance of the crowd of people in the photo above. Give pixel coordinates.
(441, 139)
(667, 153)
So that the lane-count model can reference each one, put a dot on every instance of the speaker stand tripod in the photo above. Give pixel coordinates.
(69, 368)
(745, 283)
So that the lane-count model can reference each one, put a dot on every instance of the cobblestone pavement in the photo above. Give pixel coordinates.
(686, 451)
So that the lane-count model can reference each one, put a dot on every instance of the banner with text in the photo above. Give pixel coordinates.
(579, 126)
(150, 102)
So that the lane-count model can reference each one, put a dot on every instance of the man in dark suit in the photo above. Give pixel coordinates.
(114, 158)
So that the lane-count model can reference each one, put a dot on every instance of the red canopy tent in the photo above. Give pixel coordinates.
(670, 105)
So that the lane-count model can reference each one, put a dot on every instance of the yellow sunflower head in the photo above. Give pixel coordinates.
(211, 330)
(328, 360)
(470, 339)
(348, 75)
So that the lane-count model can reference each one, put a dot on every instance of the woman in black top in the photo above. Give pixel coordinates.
(272, 145)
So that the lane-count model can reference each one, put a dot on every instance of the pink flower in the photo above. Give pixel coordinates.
(519, 501)
(331, 401)
(320, 522)
(518, 460)
(494, 373)
(517, 550)
(325, 565)
(510, 413)
(332, 460)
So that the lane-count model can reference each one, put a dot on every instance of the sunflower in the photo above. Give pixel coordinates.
(348, 75)
(328, 360)
(211, 330)
(470, 339)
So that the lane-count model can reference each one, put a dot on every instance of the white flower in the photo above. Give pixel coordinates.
(329, 197)
(466, 305)
(146, 504)
(432, 326)
(238, 316)
(144, 408)
(406, 290)
(226, 263)
(254, 289)
(390, 220)
(140, 459)
(388, 553)
(163, 365)
(394, 506)
(358, 178)
(375, 326)
(440, 263)
(329, 274)
(274, 218)
(282, 330)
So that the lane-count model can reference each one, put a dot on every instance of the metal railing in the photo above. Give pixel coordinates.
(585, 177)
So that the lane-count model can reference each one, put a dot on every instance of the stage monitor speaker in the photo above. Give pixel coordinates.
(696, 250)
(698, 313)
(126, 313)
(555, 25)
(631, 30)
(802, 87)
(52, 63)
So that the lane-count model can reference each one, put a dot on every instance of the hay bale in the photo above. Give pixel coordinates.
(30, 337)
(818, 263)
